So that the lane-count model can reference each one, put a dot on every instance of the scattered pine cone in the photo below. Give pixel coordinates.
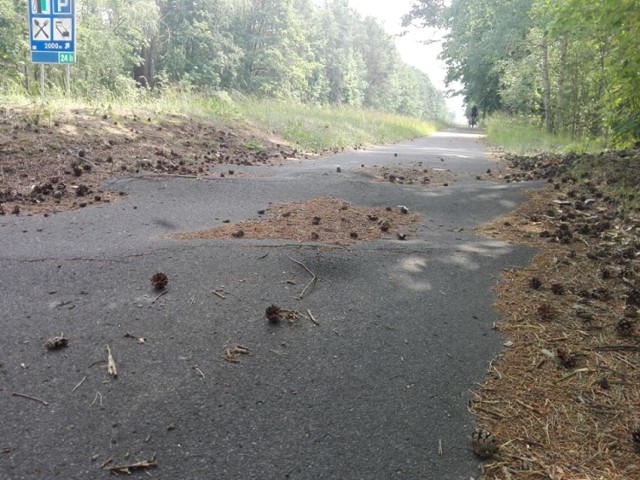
(238, 234)
(82, 191)
(625, 327)
(635, 436)
(604, 273)
(557, 288)
(632, 296)
(273, 313)
(353, 235)
(483, 443)
(566, 359)
(546, 312)
(159, 280)
(535, 283)
(315, 221)
(56, 343)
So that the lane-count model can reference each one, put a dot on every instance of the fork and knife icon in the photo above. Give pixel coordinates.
(41, 28)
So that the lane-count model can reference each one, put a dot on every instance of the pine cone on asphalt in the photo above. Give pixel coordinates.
(56, 343)
(273, 314)
(159, 280)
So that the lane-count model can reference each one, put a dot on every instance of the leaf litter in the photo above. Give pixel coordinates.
(562, 401)
(326, 220)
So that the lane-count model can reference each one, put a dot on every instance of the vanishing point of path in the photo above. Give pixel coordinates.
(378, 390)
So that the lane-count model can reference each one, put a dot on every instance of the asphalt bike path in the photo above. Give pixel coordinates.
(377, 389)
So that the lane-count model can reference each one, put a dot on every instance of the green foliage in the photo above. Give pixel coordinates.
(294, 50)
(572, 63)
(253, 144)
(13, 40)
(527, 135)
(429, 13)
(320, 128)
(485, 36)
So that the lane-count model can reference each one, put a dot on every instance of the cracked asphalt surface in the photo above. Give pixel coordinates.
(377, 390)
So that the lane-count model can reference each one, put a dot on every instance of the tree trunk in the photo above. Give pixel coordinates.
(547, 85)
(560, 119)
(144, 73)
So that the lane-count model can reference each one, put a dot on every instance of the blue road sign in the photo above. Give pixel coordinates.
(52, 30)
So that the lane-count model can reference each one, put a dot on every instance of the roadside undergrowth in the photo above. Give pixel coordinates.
(522, 135)
(309, 128)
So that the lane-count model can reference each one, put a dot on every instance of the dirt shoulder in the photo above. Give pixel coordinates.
(562, 401)
(58, 161)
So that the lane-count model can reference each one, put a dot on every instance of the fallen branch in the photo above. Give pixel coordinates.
(111, 364)
(81, 382)
(312, 318)
(277, 352)
(23, 395)
(133, 466)
(231, 354)
(158, 296)
(614, 348)
(292, 315)
(529, 407)
(139, 340)
(573, 374)
(311, 283)
(98, 398)
(218, 294)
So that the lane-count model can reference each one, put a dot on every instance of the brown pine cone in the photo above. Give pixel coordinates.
(159, 280)
(483, 443)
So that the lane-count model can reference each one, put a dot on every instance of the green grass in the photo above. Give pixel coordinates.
(616, 173)
(320, 128)
(309, 128)
(523, 135)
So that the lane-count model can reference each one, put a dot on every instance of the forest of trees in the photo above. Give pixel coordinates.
(296, 50)
(573, 63)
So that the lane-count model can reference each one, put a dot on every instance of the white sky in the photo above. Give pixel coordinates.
(411, 47)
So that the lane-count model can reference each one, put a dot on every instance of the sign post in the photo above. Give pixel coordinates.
(52, 30)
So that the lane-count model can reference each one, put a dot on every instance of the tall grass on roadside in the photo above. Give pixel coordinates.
(525, 135)
(318, 128)
(308, 127)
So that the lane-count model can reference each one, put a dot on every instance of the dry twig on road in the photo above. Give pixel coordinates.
(112, 369)
(313, 280)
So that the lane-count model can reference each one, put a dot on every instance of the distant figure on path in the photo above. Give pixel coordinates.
(474, 117)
